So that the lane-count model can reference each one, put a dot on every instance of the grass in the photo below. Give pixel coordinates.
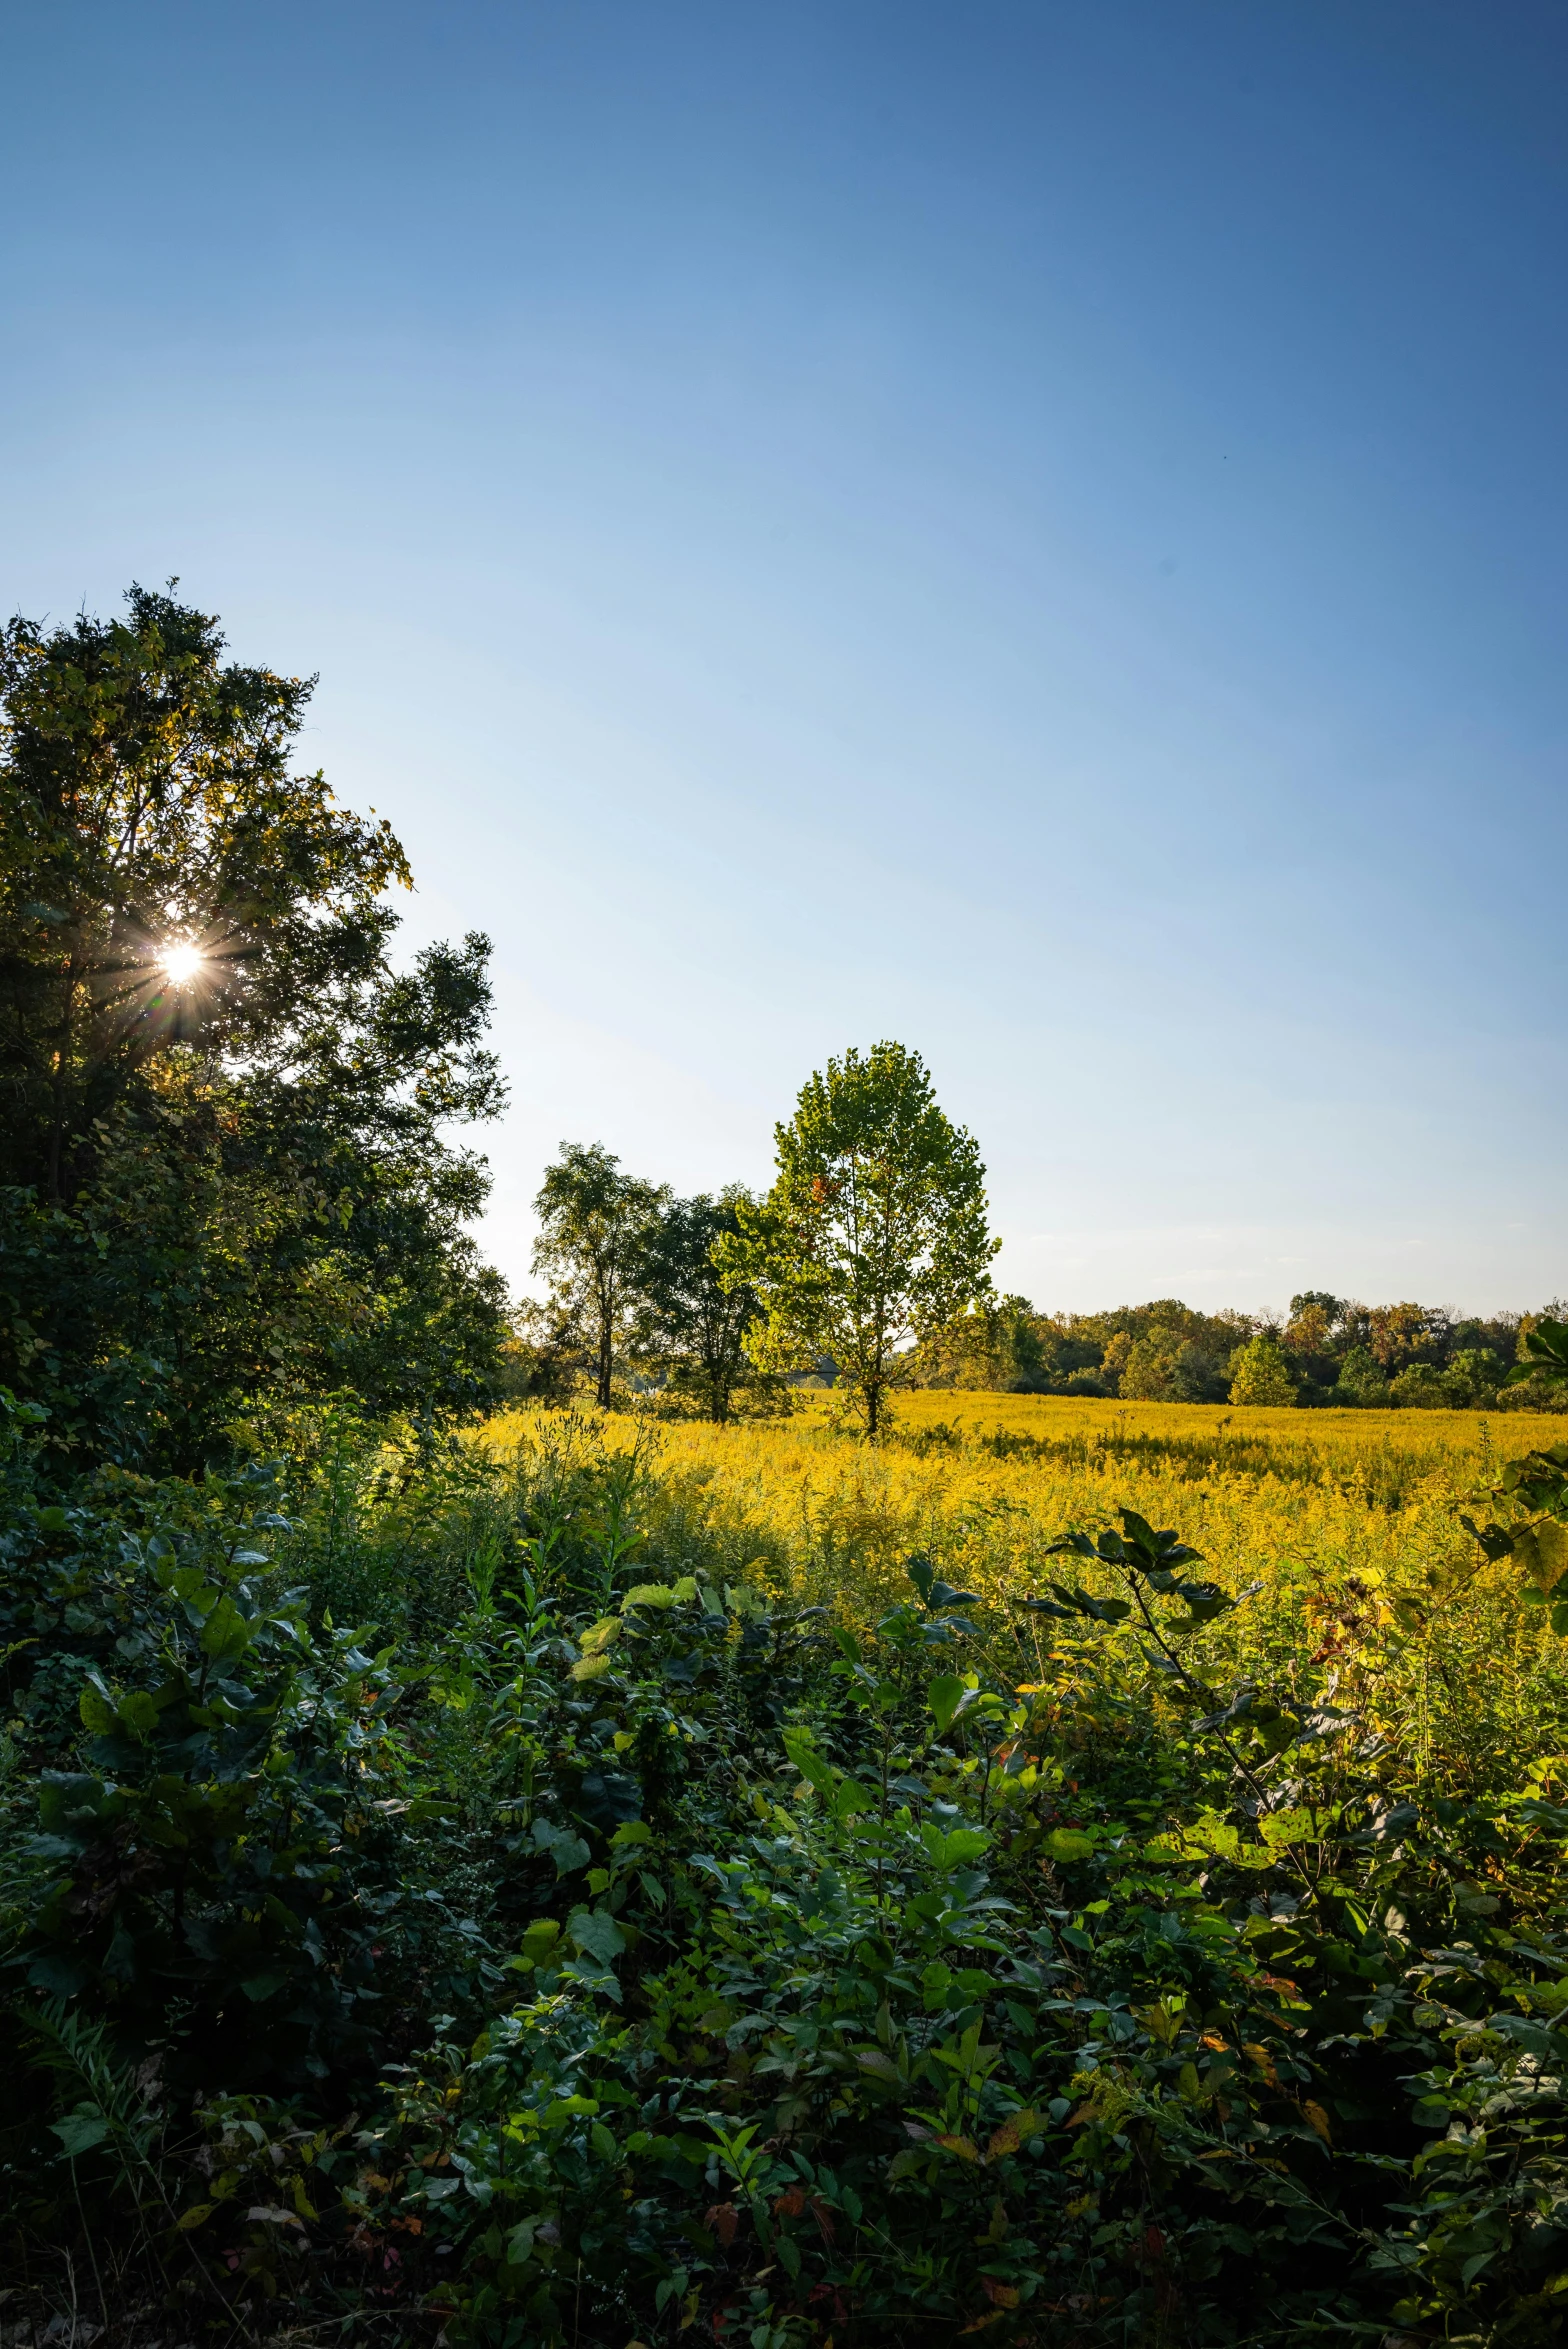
(1344, 1526)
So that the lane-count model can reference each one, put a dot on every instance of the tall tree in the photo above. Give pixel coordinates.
(692, 1323)
(595, 1224)
(873, 1236)
(223, 1162)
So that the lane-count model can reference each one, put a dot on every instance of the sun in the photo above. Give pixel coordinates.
(181, 963)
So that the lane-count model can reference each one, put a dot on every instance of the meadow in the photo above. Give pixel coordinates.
(1344, 1526)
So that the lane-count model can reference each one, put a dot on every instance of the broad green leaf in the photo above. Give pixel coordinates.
(1542, 1550)
(657, 1595)
(959, 1847)
(81, 2130)
(139, 1712)
(97, 1708)
(596, 1934)
(944, 1696)
(226, 1633)
(873, 2060)
(1069, 1843)
(852, 1797)
(1283, 1827)
(568, 1851)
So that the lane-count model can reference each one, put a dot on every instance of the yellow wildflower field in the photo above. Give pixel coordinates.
(1344, 1528)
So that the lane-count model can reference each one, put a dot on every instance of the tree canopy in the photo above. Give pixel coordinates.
(236, 1180)
(1262, 1374)
(595, 1226)
(692, 1325)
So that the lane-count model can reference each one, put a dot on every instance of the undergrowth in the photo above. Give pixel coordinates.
(576, 1891)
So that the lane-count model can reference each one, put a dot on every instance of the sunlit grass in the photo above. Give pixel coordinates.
(1344, 1526)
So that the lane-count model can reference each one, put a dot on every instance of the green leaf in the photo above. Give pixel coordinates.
(569, 2108)
(226, 1633)
(80, 2131)
(1495, 1540)
(1533, 2037)
(959, 1847)
(139, 1712)
(813, 1768)
(96, 1707)
(1069, 1843)
(540, 1938)
(944, 1696)
(568, 1851)
(1542, 1550)
(1284, 1827)
(882, 2067)
(650, 1594)
(852, 1797)
(1078, 1602)
(1545, 1351)
(596, 1934)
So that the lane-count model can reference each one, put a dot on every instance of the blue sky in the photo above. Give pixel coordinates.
(1037, 530)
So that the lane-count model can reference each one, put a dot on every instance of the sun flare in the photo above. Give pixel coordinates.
(181, 963)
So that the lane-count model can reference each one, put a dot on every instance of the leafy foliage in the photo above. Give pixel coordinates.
(692, 1327)
(1262, 1375)
(609, 1944)
(596, 1225)
(239, 1185)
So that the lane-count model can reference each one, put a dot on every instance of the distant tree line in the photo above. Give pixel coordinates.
(1329, 1351)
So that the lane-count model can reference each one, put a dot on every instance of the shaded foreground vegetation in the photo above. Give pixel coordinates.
(626, 1884)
